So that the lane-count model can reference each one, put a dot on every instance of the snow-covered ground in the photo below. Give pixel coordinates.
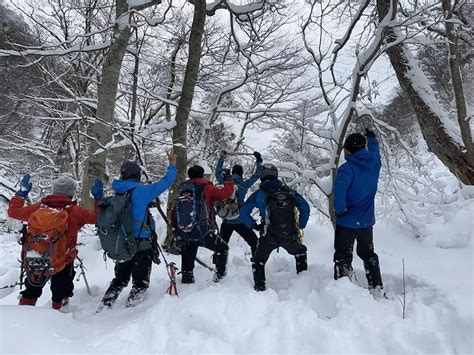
(305, 314)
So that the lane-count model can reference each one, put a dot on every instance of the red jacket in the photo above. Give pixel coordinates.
(213, 193)
(78, 216)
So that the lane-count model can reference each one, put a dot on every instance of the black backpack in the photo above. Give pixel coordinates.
(115, 227)
(282, 216)
(191, 213)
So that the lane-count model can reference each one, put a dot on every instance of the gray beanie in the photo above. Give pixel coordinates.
(64, 185)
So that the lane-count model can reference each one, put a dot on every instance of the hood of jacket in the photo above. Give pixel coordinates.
(57, 201)
(270, 184)
(122, 186)
(362, 158)
(237, 178)
(200, 181)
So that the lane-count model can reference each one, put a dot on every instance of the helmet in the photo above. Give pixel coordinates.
(269, 171)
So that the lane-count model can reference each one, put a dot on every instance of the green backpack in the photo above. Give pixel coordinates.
(115, 227)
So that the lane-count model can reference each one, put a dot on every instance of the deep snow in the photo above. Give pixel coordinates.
(305, 314)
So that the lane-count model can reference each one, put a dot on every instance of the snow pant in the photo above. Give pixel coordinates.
(266, 244)
(62, 285)
(343, 246)
(245, 232)
(139, 268)
(211, 242)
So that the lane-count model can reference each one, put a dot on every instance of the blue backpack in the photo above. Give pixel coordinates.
(191, 213)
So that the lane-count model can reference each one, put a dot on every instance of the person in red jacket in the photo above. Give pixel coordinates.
(211, 240)
(64, 189)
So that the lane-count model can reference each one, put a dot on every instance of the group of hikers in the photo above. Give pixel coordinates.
(124, 223)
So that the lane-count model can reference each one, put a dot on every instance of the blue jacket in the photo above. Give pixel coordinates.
(142, 196)
(355, 187)
(242, 185)
(257, 199)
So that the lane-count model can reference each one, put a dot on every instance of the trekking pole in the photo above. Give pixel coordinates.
(12, 285)
(83, 273)
(162, 213)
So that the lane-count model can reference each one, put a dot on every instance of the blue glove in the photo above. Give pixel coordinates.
(25, 186)
(97, 190)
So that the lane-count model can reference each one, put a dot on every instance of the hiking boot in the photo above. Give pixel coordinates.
(301, 263)
(135, 297)
(27, 301)
(218, 276)
(61, 306)
(187, 277)
(378, 293)
(259, 286)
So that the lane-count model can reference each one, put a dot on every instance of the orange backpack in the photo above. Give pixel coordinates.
(45, 249)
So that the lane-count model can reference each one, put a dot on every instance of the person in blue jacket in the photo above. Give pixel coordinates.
(280, 225)
(228, 226)
(354, 193)
(139, 267)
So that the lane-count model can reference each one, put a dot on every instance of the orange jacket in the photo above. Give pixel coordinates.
(78, 216)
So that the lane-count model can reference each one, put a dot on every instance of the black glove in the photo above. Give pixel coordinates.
(258, 156)
(341, 213)
(223, 153)
(226, 174)
(369, 133)
(259, 226)
(155, 256)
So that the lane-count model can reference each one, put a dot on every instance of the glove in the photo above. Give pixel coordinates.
(258, 156)
(223, 153)
(226, 175)
(369, 133)
(341, 213)
(259, 226)
(97, 190)
(25, 186)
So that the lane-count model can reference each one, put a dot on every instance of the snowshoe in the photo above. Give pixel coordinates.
(62, 306)
(218, 276)
(135, 297)
(187, 277)
(301, 263)
(109, 299)
(259, 286)
(378, 293)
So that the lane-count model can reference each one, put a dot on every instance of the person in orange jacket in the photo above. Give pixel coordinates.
(209, 239)
(62, 197)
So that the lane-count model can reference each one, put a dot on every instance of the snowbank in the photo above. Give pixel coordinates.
(305, 314)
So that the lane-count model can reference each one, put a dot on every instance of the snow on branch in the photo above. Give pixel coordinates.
(54, 52)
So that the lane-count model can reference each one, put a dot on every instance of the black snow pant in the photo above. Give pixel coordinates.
(245, 232)
(139, 268)
(266, 244)
(62, 285)
(211, 242)
(344, 245)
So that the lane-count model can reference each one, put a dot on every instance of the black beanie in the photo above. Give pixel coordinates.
(130, 171)
(238, 170)
(355, 142)
(196, 171)
(268, 172)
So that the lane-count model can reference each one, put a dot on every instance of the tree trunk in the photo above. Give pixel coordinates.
(96, 163)
(456, 78)
(458, 159)
(184, 106)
